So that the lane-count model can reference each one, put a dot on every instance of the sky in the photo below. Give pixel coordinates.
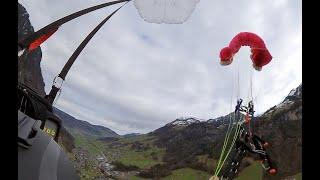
(135, 76)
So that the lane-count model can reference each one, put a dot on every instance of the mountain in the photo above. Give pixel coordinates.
(75, 126)
(131, 135)
(188, 139)
(195, 144)
(29, 70)
(281, 125)
(295, 95)
(66, 140)
(184, 121)
(185, 142)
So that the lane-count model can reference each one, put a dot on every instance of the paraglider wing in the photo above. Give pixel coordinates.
(36, 43)
(35, 39)
(165, 11)
(260, 55)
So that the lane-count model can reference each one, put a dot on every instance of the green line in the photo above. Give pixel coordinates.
(226, 157)
(219, 166)
(237, 132)
(226, 139)
(232, 144)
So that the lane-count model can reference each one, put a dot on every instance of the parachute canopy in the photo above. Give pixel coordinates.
(165, 11)
(260, 55)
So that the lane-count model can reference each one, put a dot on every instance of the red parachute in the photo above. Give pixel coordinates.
(260, 55)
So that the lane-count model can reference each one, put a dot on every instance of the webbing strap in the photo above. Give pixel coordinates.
(47, 29)
(76, 53)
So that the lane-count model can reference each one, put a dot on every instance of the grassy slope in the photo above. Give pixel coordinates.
(255, 172)
(188, 174)
(252, 172)
(182, 174)
(94, 147)
(298, 176)
(128, 156)
(143, 159)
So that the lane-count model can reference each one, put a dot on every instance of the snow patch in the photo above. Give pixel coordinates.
(185, 121)
(292, 92)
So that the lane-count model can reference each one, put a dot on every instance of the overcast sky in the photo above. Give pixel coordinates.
(136, 76)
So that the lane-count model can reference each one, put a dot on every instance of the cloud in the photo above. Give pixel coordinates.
(135, 76)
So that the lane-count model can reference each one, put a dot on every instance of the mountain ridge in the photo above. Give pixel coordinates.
(75, 126)
(280, 126)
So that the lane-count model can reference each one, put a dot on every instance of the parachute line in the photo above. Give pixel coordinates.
(225, 152)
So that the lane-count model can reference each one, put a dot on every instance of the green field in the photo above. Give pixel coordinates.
(140, 138)
(252, 172)
(89, 173)
(122, 151)
(188, 174)
(182, 174)
(128, 156)
(94, 146)
(137, 178)
(298, 176)
(141, 159)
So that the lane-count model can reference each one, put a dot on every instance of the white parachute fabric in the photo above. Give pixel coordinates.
(165, 11)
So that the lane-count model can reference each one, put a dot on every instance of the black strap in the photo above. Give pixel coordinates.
(76, 53)
(28, 40)
(53, 93)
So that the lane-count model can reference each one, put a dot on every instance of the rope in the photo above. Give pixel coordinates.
(227, 137)
(232, 144)
(223, 149)
(226, 151)
(251, 84)
(240, 120)
(238, 82)
(251, 99)
(229, 130)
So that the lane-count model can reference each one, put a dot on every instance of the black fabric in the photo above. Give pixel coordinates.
(233, 166)
(258, 142)
(29, 160)
(31, 104)
(65, 169)
(244, 144)
(36, 107)
(37, 162)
